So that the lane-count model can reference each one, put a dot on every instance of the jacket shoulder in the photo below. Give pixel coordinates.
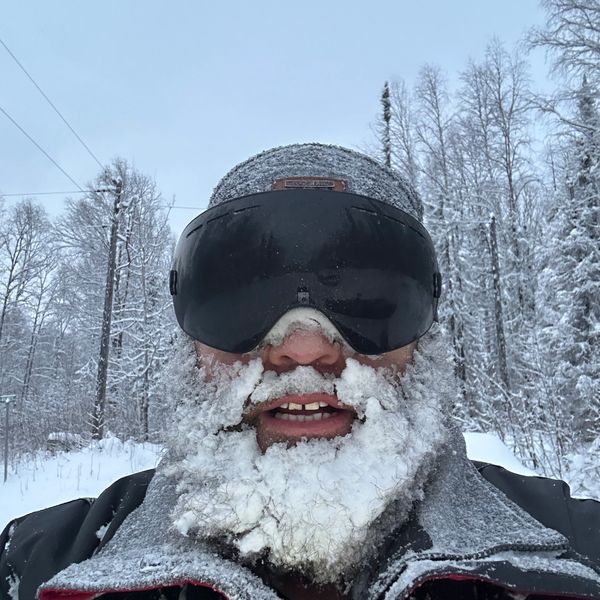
(35, 547)
(549, 501)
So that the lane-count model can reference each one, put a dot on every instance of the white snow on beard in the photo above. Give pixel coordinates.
(310, 508)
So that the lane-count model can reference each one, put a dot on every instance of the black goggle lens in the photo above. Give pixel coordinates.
(367, 266)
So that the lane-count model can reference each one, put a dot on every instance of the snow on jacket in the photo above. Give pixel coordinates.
(465, 540)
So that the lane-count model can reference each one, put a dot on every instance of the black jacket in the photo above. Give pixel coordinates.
(35, 547)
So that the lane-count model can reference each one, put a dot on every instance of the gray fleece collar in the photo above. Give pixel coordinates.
(471, 525)
(145, 553)
(467, 520)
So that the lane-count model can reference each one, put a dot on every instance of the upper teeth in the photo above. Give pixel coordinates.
(310, 406)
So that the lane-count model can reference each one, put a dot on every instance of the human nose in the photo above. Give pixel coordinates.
(304, 348)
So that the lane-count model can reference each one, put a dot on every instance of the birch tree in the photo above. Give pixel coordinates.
(24, 239)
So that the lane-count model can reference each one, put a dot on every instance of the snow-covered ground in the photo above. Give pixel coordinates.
(52, 479)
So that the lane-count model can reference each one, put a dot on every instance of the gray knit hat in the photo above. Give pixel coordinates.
(361, 174)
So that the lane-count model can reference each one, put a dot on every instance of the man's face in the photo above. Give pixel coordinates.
(251, 443)
(316, 415)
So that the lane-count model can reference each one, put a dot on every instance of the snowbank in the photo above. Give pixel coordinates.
(50, 479)
(487, 447)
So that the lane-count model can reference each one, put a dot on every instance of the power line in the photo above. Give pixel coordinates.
(183, 207)
(42, 150)
(2, 195)
(52, 104)
(46, 193)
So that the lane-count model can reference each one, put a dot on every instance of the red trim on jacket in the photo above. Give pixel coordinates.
(61, 594)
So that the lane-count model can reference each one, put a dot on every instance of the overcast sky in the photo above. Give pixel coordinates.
(185, 90)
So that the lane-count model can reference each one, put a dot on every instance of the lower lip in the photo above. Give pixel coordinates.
(339, 423)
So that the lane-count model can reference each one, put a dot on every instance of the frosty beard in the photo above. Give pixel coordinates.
(322, 506)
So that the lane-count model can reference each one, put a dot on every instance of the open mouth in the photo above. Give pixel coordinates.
(305, 415)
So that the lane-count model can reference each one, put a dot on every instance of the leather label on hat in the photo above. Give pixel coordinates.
(319, 183)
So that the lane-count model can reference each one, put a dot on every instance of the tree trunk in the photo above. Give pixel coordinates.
(500, 335)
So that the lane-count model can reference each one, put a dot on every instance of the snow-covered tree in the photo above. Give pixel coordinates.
(386, 119)
(571, 321)
(571, 37)
(25, 260)
(52, 290)
(139, 319)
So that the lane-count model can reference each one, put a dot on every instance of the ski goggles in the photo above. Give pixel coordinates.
(369, 267)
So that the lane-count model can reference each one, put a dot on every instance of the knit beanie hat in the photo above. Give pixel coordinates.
(317, 163)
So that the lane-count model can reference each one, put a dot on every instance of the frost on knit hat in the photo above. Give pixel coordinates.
(362, 174)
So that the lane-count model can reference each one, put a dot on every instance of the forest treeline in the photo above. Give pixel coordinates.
(52, 295)
(510, 184)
